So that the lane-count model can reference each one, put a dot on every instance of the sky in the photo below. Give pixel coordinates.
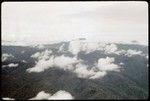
(59, 21)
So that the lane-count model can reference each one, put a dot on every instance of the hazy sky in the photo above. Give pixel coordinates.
(49, 21)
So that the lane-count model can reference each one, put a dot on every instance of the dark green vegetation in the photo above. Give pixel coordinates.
(130, 83)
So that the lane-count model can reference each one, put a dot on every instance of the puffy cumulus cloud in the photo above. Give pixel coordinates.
(62, 62)
(42, 55)
(10, 65)
(60, 95)
(90, 47)
(46, 60)
(131, 53)
(74, 47)
(36, 55)
(41, 95)
(82, 71)
(66, 63)
(106, 64)
(98, 74)
(7, 98)
(6, 56)
(41, 46)
(42, 65)
(112, 48)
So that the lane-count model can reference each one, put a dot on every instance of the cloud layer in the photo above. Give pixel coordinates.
(46, 60)
(77, 46)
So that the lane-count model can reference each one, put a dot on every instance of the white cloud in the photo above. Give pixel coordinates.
(73, 65)
(11, 65)
(106, 64)
(82, 71)
(98, 74)
(40, 46)
(88, 46)
(103, 65)
(41, 95)
(60, 95)
(131, 52)
(63, 61)
(6, 56)
(66, 63)
(36, 55)
(42, 55)
(74, 47)
(112, 48)
(45, 61)
(42, 65)
(7, 98)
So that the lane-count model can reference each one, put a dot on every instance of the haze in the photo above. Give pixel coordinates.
(59, 21)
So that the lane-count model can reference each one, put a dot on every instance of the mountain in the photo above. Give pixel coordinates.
(125, 67)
